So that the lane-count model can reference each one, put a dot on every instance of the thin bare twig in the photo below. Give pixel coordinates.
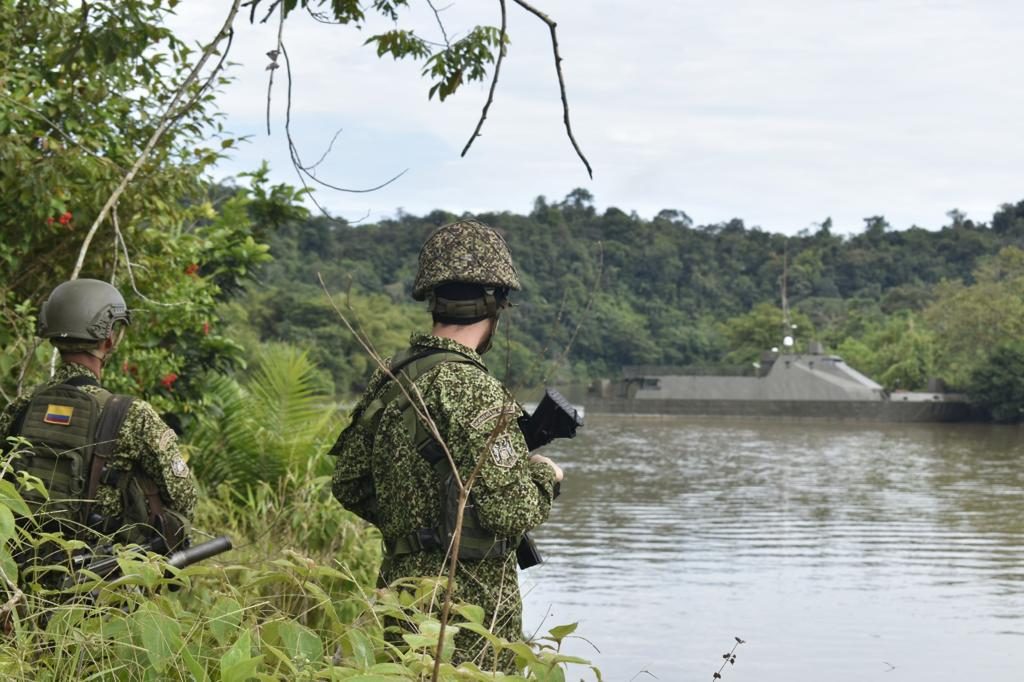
(586, 311)
(494, 81)
(16, 595)
(330, 148)
(561, 81)
(273, 54)
(440, 24)
(300, 170)
(119, 237)
(294, 152)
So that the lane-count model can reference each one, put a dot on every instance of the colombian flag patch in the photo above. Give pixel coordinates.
(59, 414)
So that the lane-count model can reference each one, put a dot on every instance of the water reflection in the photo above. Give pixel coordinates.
(829, 547)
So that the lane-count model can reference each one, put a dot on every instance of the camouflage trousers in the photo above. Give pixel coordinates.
(491, 584)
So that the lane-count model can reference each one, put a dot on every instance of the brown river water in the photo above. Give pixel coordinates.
(838, 551)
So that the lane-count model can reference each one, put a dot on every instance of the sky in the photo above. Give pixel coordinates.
(781, 114)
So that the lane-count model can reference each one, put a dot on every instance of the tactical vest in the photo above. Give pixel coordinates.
(73, 434)
(476, 542)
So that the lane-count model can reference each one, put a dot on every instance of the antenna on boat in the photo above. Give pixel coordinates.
(787, 323)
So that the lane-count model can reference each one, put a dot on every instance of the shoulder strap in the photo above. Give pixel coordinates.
(82, 380)
(407, 368)
(111, 420)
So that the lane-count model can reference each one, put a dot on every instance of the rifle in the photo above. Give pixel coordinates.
(103, 562)
(555, 417)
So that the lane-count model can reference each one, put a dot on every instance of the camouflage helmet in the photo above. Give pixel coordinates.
(464, 251)
(81, 313)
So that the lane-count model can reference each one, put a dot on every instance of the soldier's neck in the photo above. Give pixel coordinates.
(90, 362)
(469, 335)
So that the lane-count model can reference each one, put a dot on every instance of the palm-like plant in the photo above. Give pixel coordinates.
(278, 420)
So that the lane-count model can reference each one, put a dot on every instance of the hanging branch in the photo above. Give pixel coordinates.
(494, 82)
(294, 151)
(273, 65)
(119, 237)
(561, 81)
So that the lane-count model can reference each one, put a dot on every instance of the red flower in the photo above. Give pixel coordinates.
(192, 269)
(49, 220)
(168, 381)
(206, 328)
(66, 218)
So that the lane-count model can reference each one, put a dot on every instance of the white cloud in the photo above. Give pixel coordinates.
(779, 113)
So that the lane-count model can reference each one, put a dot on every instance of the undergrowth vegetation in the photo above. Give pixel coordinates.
(295, 599)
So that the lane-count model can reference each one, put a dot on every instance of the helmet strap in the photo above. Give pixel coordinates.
(487, 306)
(115, 339)
(489, 341)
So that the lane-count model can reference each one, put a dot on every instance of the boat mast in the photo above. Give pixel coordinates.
(787, 323)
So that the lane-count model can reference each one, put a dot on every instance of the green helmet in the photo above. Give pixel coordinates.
(465, 251)
(81, 313)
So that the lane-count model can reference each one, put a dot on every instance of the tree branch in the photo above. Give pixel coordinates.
(166, 119)
(494, 80)
(561, 81)
(272, 67)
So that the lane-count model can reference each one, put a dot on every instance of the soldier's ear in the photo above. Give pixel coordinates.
(116, 334)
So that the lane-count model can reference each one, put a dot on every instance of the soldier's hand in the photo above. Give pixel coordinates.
(557, 469)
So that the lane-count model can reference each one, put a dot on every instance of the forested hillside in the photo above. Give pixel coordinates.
(902, 304)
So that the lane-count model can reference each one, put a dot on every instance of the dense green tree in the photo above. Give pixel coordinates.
(997, 383)
(752, 333)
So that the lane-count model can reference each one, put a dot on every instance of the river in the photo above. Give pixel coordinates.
(837, 551)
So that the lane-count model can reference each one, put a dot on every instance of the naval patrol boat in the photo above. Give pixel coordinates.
(784, 384)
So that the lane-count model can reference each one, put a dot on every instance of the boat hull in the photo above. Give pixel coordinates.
(839, 410)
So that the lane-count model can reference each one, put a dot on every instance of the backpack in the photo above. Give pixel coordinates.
(73, 434)
(476, 542)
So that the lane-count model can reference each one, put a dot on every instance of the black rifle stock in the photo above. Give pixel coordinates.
(555, 417)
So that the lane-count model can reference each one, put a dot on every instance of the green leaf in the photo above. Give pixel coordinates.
(555, 673)
(160, 634)
(225, 616)
(11, 498)
(240, 652)
(482, 630)
(362, 650)
(471, 612)
(7, 530)
(240, 671)
(300, 642)
(7, 565)
(560, 632)
(197, 671)
(389, 669)
(525, 655)
(281, 656)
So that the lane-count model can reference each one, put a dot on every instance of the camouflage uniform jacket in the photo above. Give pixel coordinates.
(381, 477)
(144, 440)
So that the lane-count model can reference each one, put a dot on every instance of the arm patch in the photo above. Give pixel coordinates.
(490, 413)
(503, 452)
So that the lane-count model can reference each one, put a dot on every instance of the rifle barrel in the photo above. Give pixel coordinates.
(203, 550)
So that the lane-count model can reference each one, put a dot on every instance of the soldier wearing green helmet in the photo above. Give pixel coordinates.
(111, 465)
(392, 470)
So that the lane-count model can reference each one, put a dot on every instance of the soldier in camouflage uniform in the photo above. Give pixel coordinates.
(144, 488)
(390, 470)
